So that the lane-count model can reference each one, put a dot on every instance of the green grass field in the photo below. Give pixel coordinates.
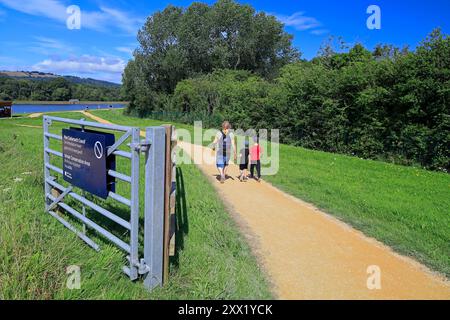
(212, 261)
(406, 208)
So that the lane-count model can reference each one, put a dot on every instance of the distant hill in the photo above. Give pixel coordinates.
(43, 76)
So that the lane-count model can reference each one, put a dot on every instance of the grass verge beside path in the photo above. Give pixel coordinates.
(214, 260)
(406, 208)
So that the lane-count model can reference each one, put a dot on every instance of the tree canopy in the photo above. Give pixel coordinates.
(177, 43)
(225, 61)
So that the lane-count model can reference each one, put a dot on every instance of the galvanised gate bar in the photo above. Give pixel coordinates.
(153, 147)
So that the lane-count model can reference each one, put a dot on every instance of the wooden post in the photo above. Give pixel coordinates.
(169, 201)
(172, 198)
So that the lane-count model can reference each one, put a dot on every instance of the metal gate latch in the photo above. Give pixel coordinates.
(143, 146)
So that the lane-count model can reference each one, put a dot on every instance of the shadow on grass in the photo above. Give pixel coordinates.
(102, 221)
(182, 221)
(108, 224)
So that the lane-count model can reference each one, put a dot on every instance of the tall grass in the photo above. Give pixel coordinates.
(212, 260)
(407, 208)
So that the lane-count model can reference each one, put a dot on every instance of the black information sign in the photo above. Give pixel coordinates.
(85, 161)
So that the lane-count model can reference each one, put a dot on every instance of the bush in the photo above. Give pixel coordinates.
(390, 104)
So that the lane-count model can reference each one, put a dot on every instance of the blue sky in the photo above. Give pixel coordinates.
(34, 35)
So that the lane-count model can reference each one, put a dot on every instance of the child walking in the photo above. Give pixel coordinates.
(255, 159)
(243, 162)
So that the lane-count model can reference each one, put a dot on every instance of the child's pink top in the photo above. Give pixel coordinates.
(255, 153)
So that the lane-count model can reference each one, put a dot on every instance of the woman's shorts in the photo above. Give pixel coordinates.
(222, 161)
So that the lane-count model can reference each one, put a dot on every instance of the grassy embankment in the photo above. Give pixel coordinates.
(407, 208)
(212, 261)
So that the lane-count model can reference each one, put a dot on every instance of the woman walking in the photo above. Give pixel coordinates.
(224, 144)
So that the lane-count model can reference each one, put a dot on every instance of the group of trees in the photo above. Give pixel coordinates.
(205, 63)
(178, 43)
(57, 89)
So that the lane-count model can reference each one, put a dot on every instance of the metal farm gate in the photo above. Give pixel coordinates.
(153, 265)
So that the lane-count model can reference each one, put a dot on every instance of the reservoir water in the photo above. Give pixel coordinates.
(33, 108)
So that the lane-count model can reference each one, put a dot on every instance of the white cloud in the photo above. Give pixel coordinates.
(85, 64)
(299, 21)
(129, 23)
(125, 50)
(319, 32)
(49, 8)
(48, 46)
(102, 20)
(49, 43)
(104, 68)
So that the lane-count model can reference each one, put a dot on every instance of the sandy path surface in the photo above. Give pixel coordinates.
(309, 254)
(35, 115)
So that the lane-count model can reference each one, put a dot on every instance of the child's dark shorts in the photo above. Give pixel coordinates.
(243, 166)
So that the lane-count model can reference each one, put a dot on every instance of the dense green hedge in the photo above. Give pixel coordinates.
(387, 104)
